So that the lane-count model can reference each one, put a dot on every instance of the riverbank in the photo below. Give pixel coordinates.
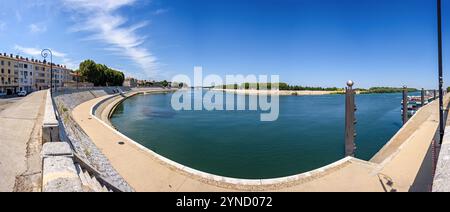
(298, 93)
(278, 92)
(400, 170)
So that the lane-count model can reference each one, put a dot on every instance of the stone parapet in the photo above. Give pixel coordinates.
(59, 172)
(50, 126)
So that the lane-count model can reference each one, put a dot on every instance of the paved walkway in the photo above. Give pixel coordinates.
(4, 103)
(404, 166)
(17, 122)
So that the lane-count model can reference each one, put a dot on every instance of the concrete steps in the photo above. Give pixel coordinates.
(90, 183)
(84, 181)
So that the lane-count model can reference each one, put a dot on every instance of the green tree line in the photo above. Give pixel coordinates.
(100, 75)
(163, 83)
(287, 87)
(384, 90)
(280, 86)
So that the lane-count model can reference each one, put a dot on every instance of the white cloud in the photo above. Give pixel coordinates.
(160, 11)
(37, 28)
(36, 53)
(100, 18)
(102, 5)
(69, 63)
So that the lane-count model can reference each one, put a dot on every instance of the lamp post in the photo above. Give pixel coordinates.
(45, 54)
(405, 105)
(422, 98)
(350, 121)
(441, 80)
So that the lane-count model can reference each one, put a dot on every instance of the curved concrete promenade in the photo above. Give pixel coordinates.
(404, 164)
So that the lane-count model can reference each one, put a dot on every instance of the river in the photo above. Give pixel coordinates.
(308, 134)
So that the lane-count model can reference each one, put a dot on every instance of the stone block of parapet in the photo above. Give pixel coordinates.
(53, 149)
(442, 175)
(50, 126)
(59, 172)
(60, 175)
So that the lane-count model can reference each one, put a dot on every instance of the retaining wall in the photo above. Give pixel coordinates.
(66, 100)
(58, 170)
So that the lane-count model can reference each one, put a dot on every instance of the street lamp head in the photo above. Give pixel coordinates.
(45, 53)
(350, 83)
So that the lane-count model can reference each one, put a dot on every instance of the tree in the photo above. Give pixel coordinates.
(165, 83)
(88, 69)
(102, 71)
(100, 75)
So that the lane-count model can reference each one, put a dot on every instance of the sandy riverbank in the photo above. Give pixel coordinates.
(279, 92)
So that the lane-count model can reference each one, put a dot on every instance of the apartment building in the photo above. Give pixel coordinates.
(8, 76)
(25, 70)
(41, 77)
(130, 82)
(61, 75)
(24, 74)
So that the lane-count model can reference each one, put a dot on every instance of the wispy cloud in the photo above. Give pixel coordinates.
(36, 53)
(37, 28)
(101, 19)
(160, 11)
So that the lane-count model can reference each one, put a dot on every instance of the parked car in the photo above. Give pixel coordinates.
(22, 93)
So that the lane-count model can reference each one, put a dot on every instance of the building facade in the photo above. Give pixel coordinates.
(24, 74)
(130, 82)
(8, 77)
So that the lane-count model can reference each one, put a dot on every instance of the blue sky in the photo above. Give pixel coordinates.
(306, 42)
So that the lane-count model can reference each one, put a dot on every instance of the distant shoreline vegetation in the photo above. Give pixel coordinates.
(376, 90)
(287, 87)
(280, 86)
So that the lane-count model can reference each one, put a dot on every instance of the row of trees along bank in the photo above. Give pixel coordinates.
(99, 74)
(287, 87)
(376, 90)
(280, 86)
